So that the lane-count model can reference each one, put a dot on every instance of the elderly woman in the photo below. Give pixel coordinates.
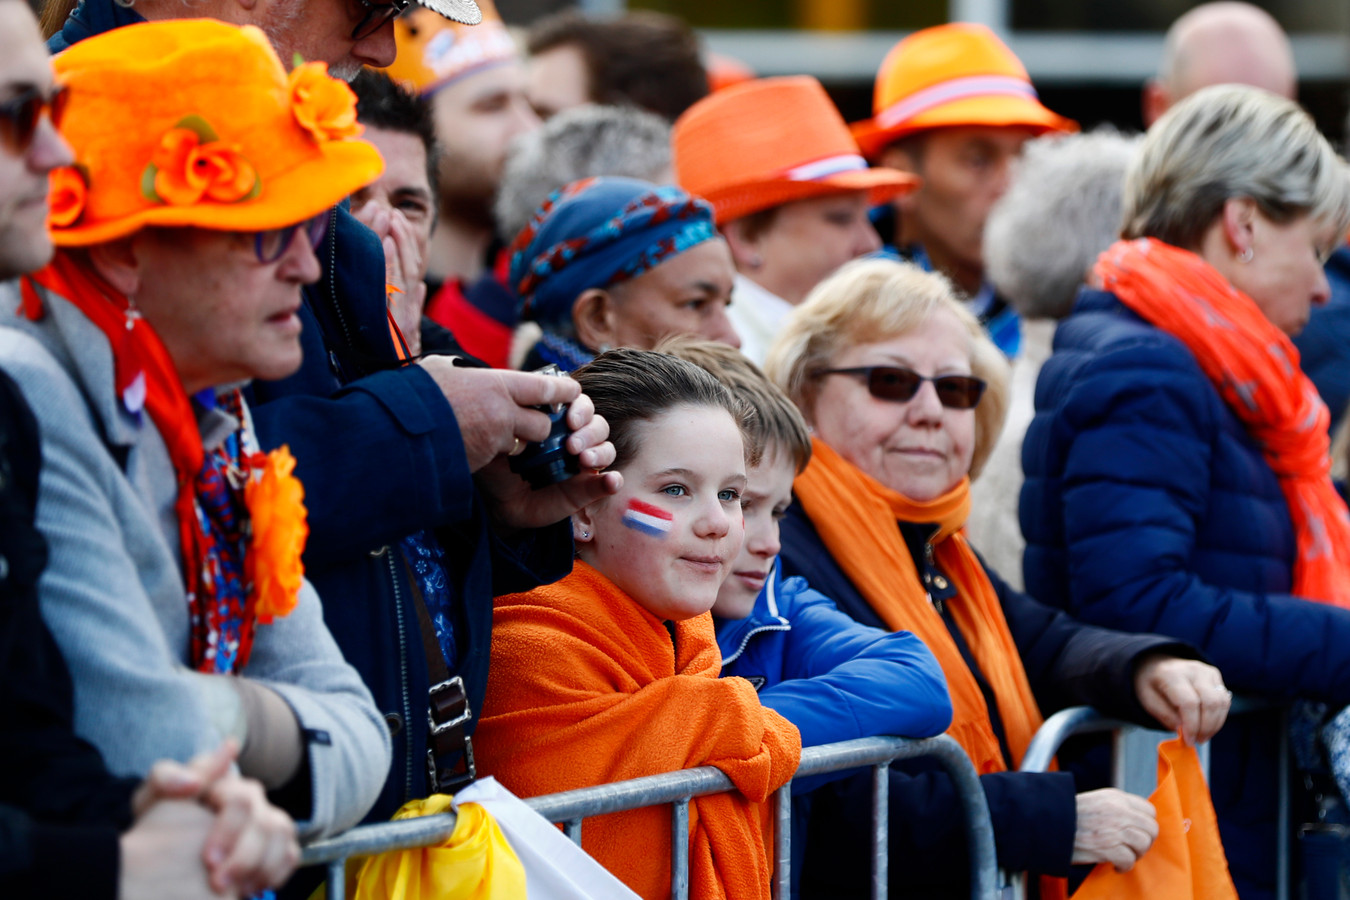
(202, 180)
(790, 189)
(1040, 241)
(1177, 465)
(905, 396)
(618, 262)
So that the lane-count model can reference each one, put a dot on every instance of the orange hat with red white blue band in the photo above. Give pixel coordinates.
(432, 52)
(196, 123)
(952, 75)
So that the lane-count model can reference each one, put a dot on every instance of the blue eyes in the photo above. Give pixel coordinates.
(730, 495)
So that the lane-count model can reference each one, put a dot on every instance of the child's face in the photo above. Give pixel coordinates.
(768, 494)
(669, 537)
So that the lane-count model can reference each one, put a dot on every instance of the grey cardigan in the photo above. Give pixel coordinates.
(113, 593)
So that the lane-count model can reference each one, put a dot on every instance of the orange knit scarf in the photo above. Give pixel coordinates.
(857, 519)
(1255, 368)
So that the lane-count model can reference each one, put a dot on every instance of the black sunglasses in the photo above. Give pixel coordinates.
(900, 384)
(269, 246)
(19, 117)
(375, 16)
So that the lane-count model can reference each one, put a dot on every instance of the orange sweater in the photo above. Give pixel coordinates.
(585, 688)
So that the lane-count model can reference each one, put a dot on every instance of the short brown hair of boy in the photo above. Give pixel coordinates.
(629, 387)
(778, 424)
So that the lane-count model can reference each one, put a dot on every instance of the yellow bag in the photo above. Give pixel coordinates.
(476, 863)
(1187, 861)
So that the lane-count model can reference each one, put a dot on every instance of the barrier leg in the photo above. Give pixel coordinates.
(782, 844)
(572, 828)
(881, 822)
(337, 880)
(679, 850)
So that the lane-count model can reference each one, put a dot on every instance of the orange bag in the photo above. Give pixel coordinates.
(1186, 862)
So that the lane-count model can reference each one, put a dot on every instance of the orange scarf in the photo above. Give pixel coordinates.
(857, 519)
(1255, 368)
(584, 688)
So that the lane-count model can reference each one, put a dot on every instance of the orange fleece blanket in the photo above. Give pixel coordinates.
(586, 688)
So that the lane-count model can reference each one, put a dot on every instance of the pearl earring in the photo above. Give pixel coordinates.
(1247, 255)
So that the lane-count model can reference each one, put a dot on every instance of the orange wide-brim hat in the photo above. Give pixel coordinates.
(433, 52)
(196, 123)
(767, 142)
(952, 75)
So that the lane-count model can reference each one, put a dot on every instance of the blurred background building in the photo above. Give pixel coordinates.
(1088, 58)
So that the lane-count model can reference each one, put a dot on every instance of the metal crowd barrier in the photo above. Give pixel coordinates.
(678, 788)
(1134, 766)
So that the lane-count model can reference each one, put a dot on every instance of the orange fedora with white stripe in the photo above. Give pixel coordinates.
(767, 142)
(950, 75)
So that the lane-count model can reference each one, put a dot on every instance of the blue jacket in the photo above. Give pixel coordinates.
(1325, 343)
(834, 679)
(379, 452)
(1147, 507)
(1034, 815)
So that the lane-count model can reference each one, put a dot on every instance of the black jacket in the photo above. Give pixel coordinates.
(61, 811)
(1034, 815)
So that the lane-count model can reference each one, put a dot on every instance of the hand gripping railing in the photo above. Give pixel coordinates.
(1134, 764)
(678, 788)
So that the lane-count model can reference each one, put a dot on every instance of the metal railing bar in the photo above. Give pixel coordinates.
(679, 849)
(621, 796)
(782, 844)
(405, 834)
(572, 828)
(337, 879)
(881, 838)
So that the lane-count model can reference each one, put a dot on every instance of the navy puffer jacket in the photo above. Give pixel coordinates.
(1148, 508)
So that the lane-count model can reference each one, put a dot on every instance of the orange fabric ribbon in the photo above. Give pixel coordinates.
(1255, 368)
(1187, 861)
(585, 688)
(857, 519)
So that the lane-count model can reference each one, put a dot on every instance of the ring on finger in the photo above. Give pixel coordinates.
(515, 447)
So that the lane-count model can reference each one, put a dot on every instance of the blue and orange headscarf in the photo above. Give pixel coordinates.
(596, 233)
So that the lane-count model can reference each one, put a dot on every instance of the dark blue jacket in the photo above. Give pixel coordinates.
(1034, 815)
(1324, 344)
(1147, 507)
(834, 679)
(379, 452)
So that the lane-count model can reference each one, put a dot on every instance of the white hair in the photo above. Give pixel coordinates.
(1062, 210)
(581, 142)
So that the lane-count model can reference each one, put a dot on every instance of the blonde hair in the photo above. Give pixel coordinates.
(778, 424)
(873, 300)
(1226, 142)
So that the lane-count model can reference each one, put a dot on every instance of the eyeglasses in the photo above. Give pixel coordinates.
(19, 117)
(376, 14)
(899, 384)
(271, 245)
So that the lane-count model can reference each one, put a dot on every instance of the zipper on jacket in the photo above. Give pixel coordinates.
(332, 278)
(784, 626)
(389, 555)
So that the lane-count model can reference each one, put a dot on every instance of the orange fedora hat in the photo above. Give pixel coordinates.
(432, 52)
(959, 74)
(196, 123)
(763, 143)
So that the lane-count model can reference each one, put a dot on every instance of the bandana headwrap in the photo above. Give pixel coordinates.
(599, 232)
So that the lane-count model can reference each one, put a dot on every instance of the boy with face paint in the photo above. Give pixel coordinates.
(833, 678)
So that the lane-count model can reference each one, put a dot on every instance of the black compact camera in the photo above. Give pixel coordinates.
(547, 462)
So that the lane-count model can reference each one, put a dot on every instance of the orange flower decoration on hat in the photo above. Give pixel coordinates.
(196, 123)
(276, 508)
(324, 106)
(190, 164)
(767, 142)
(952, 75)
(67, 191)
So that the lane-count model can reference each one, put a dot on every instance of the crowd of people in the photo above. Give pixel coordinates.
(389, 401)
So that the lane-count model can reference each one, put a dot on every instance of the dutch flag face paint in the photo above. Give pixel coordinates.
(648, 519)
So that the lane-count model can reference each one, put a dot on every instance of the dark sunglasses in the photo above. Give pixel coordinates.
(375, 16)
(900, 384)
(271, 245)
(19, 117)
